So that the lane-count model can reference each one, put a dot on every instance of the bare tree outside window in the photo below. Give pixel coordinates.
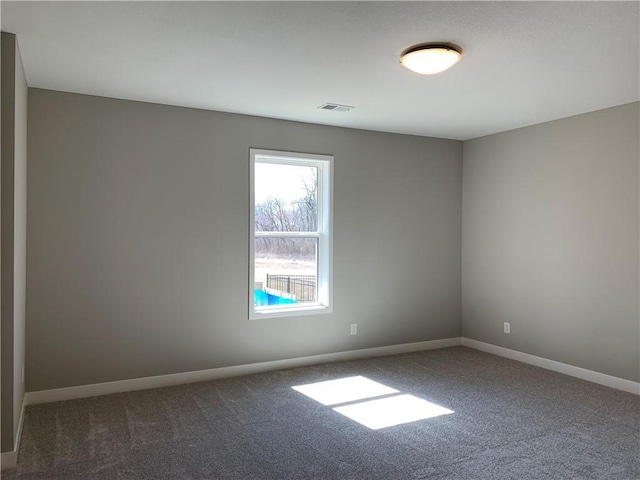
(286, 201)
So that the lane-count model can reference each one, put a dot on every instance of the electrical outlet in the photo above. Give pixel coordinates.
(354, 329)
(507, 328)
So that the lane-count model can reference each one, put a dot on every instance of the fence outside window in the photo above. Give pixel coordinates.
(302, 287)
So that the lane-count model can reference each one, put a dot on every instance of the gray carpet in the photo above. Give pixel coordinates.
(510, 421)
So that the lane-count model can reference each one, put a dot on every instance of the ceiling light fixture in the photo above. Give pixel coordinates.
(430, 58)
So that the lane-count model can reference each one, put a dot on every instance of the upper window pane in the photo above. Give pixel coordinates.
(286, 198)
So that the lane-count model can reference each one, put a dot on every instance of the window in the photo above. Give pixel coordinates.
(290, 244)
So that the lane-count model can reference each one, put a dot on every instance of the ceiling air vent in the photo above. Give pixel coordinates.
(335, 107)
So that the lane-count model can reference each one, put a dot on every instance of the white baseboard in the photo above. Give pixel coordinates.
(83, 391)
(583, 373)
(10, 459)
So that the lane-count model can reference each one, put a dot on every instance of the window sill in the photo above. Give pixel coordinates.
(297, 311)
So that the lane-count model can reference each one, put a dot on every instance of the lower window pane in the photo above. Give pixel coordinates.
(285, 271)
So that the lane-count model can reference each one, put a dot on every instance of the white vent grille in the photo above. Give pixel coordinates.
(335, 107)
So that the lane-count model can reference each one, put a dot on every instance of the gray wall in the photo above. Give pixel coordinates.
(550, 240)
(138, 240)
(13, 235)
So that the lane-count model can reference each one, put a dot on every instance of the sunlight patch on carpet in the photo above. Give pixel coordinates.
(396, 410)
(344, 390)
(374, 414)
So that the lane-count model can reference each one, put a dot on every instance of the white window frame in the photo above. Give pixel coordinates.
(324, 232)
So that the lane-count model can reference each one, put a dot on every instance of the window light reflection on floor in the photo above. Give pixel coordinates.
(390, 411)
(374, 414)
(344, 390)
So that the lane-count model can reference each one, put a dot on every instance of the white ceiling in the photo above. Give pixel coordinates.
(523, 62)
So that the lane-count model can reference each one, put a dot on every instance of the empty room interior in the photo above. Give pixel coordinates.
(323, 240)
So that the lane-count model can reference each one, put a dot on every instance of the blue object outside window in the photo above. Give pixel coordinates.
(263, 299)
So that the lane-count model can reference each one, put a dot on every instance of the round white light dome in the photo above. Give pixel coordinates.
(428, 60)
